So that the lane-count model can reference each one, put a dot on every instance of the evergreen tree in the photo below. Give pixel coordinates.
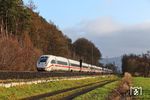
(13, 16)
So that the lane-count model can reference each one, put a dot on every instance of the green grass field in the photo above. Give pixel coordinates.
(35, 89)
(62, 95)
(145, 84)
(99, 93)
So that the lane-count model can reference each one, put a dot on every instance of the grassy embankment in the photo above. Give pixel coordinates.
(90, 96)
(36, 89)
(99, 93)
(145, 84)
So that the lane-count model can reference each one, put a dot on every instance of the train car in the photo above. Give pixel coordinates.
(104, 70)
(43, 62)
(61, 64)
(107, 71)
(56, 63)
(96, 69)
(51, 63)
(74, 65)
(100, 69)
(85, 67)
(93, 68)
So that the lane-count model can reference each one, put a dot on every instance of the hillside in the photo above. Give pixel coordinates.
(26, 34)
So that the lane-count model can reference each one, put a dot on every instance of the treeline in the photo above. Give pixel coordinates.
(87, 51)
(25, 35)
(136, 64)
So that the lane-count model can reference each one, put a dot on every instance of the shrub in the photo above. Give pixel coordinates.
(17, 55)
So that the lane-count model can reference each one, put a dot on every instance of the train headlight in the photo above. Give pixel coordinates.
(46, 63)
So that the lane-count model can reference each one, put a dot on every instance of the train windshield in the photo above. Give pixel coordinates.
(43, 59)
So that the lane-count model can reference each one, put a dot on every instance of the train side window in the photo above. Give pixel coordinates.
(75, 65)
(62, 63)
(53, 62)
(85, 66)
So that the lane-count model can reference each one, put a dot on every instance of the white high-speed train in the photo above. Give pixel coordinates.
(56, 63)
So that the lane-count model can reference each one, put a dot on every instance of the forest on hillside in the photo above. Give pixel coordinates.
(25, 35)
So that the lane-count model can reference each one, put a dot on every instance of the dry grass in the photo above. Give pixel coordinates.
(123, 87)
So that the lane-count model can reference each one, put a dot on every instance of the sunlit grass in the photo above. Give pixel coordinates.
(35, 89)
(145, 84)
(99, 93)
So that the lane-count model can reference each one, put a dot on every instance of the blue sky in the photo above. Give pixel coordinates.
(107, 23)
(66, 13)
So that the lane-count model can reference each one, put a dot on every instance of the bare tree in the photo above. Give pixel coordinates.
(31, 5)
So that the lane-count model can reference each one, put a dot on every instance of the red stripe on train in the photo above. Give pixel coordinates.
(58, 65)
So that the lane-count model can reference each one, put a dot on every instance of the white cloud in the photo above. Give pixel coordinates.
(113, 38)
(99, 26)
(103, 26)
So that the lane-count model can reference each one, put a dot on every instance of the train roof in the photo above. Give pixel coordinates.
(48, 55)
(73, 61)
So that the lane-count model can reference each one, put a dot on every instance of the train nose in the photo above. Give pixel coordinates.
(42, 65)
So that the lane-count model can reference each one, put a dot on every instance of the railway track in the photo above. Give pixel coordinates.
(34, 75)
(79, 91)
